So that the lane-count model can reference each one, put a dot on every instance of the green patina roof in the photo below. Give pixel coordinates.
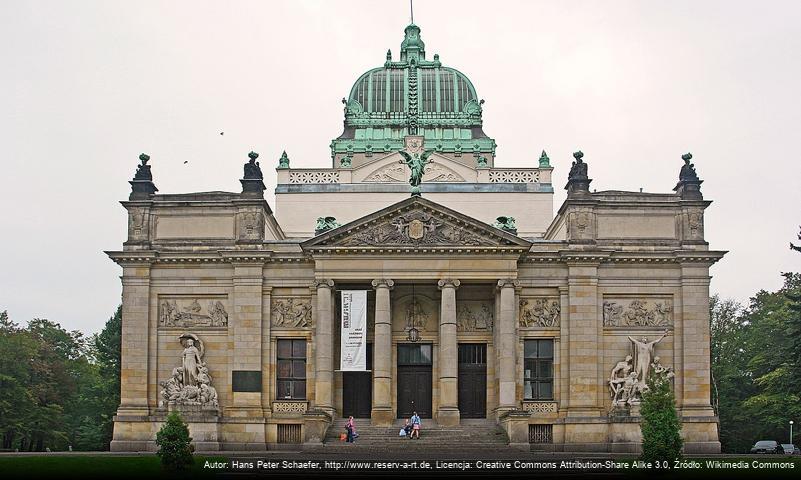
(412, 96)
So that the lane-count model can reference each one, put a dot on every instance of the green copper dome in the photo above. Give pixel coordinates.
(412, 96)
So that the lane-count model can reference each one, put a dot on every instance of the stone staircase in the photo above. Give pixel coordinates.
(471, 435)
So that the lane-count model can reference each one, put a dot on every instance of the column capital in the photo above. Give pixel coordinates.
(319, 283)
(448, 283)
(508, 283)
(382, 283)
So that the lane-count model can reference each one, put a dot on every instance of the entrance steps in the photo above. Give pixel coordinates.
(469, 435)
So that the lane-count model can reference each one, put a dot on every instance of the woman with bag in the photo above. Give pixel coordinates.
(416, 423)
(351, 428)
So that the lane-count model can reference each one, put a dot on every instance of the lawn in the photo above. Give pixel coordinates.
(101, 466)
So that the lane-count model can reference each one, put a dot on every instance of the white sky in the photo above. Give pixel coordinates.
(88, 85)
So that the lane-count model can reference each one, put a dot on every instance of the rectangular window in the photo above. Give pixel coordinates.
(291, 369)
(415, 354)
(538, 369)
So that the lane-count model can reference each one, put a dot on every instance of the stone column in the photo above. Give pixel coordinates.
(324, 348)
(506, 346)
(448, 412)
(381, 413)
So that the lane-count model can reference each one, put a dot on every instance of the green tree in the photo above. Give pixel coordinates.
(660, 426)
(174, 443)
(731, 381)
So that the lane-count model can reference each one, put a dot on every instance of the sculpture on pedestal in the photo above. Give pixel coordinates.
(190, 384)
(642, 357)
(417, 164)
(629, 378)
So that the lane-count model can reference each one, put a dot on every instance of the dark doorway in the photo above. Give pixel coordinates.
(414, 380)
(472, 380)
(357, 390)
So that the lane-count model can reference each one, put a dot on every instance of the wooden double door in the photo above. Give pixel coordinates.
(472, 380)
(414, 380)
(357, 390)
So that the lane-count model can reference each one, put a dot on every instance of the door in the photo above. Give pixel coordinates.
(357, 390)
(473, 380)
(414, 380)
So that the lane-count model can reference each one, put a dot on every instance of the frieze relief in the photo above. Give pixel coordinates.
(434, 172)
(639, 312)
(474, 316)
(540, 312)
(416, 228)
(192, 312)
(291, 312)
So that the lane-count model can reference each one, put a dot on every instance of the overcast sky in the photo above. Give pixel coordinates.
(88, 85)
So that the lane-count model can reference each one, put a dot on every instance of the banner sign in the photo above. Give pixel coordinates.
(353, 335)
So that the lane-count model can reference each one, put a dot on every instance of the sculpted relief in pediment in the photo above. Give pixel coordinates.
(397, 172)
(416, 228)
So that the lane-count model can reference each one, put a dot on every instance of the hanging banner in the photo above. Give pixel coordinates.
(353, 334)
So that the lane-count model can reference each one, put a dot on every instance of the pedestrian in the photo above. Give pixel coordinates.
(406, 429)
(416, 424)
(351, 428)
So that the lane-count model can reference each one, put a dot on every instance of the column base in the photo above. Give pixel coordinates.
(501, 411)
(448, 416)
(382, 417)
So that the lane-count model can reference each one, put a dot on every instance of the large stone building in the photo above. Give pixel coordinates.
(481, 303)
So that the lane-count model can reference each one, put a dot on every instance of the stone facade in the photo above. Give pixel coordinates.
(260, 292)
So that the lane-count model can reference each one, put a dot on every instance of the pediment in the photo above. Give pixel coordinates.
(417, 223)
(390, 169)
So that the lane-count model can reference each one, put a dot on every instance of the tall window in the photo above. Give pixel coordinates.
(538, 369)
(291, 369)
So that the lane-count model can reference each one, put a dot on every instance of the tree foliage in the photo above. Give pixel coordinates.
(755, 365)
(661, 429)
(57, 388)
(174, 443)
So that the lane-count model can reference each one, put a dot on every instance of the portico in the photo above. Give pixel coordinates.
(414, 287)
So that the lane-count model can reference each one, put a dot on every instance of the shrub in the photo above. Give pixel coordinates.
(661, 430)
(174, 443)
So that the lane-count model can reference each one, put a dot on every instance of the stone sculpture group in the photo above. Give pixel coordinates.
(190, 384)
(629, 378)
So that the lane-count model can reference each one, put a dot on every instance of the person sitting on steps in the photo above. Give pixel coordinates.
(407, 427)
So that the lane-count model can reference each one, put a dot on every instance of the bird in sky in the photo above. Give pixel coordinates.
(222, 133)
(186, 161)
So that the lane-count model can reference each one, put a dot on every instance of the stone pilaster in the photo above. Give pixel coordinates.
(324, 348)
(506, 337)
(135, 367)
(245, 333)
(695, 340)
(135, 334)
(381, 413)
(583, 317)
(267, 381)
(448, 412)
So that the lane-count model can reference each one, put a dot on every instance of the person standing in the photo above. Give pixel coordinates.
(416, 424)
(351, 428)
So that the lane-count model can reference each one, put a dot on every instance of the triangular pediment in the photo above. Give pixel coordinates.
(417, 223)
